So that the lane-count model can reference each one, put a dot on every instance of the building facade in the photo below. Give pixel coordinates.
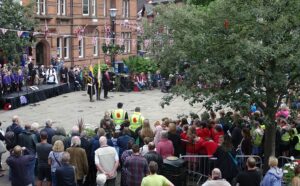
(75, 30)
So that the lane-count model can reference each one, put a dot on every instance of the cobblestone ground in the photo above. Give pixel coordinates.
(65, 110)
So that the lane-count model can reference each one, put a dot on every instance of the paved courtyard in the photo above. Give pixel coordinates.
(65, 110)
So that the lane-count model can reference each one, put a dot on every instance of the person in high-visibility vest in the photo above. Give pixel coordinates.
(119, 115)
(136, 119)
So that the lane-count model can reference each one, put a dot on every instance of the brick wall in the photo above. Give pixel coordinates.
(66, 24)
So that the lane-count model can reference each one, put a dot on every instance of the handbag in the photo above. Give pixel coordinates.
(2, 147)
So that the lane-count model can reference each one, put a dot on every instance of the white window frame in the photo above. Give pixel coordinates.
(61, 7)
(81, 48)
(59, 47)
(126, 36)
(88, 7)
(96, 48)
(40, 10)
(104, 8)
(66, 45)
(94, 7)
(125, 8)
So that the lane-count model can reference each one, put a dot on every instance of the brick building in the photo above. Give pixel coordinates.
(59, 20)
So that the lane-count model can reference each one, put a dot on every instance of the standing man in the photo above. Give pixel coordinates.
(251, 176)
(20, 162)
(91, 88)
(154, 179)
(12, 133)
(65, 174)
(106, 80)
(64, 74)
(136, 167)
(152, 155)
(50, 131)
(136, 119)
(42, 150)
(107, 161)
(119, 116)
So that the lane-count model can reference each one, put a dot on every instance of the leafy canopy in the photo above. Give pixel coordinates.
(16, 17)
(244, 51)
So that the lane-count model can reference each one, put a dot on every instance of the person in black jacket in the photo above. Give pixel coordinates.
(106, 81)
(152, 155)
(65, 174)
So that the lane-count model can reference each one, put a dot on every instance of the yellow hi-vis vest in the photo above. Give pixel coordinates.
(297, 146)
(118, 116)
(285, 137)
(295, 133)
(136, 120)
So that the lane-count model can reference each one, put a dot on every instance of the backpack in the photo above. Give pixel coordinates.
(10, 138)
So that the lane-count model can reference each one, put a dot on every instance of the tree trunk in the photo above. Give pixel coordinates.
(269, 144)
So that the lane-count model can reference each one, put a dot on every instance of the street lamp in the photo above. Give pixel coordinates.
(113, 15)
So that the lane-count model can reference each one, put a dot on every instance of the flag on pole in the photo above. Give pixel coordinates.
(19, 33)
(91, 73)
(99, 75)
(3, 30)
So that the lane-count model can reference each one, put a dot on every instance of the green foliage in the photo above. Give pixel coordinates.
(253, 58)
(16, 17)
(90, 133)
(113, 49)
(139, 64)
(103, 67)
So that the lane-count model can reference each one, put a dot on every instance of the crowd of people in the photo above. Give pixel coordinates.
(126, 144)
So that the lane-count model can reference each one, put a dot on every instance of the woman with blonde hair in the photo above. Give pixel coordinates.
(54, 159)
(274, 175)
(145, 131)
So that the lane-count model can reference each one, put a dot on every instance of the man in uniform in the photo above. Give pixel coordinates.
(91, 88)
(136, 119)
(119, 116)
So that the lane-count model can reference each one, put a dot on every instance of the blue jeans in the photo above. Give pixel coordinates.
(53, 177)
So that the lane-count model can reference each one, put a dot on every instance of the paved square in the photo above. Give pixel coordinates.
(65, 110)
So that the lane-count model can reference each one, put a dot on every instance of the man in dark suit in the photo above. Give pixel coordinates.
(106, 80)
(65, 175)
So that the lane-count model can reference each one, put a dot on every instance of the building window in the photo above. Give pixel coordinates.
(104, 8)
(80, 48)
(66, 47)
(40, 7)
(125, 8)
(59, 47)
(85, 7)
(61, 7)
(94, 7)
(95, 47)
(126, 36)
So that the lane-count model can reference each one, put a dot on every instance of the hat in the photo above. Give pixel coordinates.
(101, 179)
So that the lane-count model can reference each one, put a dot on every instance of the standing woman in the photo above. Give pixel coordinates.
(145, 131)
(54, 159)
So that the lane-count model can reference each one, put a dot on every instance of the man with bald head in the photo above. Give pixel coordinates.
(107, 161)
(20, 162)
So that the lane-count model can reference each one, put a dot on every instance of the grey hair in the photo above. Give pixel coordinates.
(35, 126)
(75, 141)
(49, 122)
(164, 134)
(65, 157)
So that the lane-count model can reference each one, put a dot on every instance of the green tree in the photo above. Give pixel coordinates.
(248, 51)
(15, 17)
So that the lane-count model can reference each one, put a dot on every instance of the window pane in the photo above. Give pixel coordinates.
(85, 7)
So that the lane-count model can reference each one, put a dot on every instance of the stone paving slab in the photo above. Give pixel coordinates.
(65, 110)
